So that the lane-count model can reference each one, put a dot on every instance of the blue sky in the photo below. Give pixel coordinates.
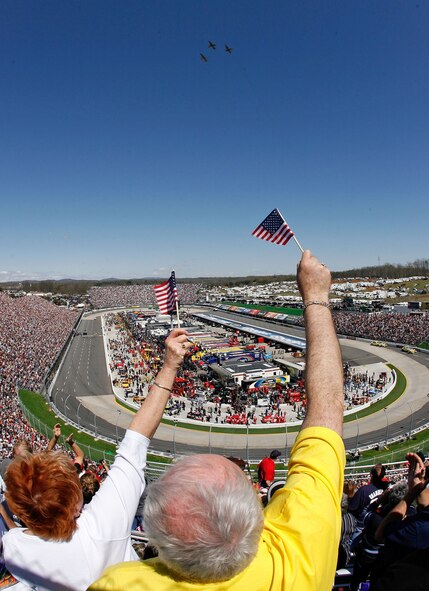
(123, 154)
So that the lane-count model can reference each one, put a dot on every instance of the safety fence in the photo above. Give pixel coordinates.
(393, 460)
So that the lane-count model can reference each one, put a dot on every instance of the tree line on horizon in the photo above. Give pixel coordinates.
(420, 267)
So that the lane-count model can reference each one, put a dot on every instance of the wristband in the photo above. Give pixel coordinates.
(162, 387)
(317, 303)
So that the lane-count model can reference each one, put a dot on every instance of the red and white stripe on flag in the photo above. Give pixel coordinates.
(274, 229)
(166, 295)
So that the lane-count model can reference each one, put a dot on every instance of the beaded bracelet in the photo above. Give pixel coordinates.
(162, 387)
(318, 303)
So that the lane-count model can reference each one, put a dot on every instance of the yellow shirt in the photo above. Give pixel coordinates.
(299, 544)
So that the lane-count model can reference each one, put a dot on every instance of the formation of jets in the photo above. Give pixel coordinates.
(212, 46)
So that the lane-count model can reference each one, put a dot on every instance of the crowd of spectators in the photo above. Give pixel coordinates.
(32, 332)
(385, 523)
(410, 329)
(138, 295)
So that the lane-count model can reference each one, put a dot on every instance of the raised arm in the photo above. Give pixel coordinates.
(56, 434)
(324, 369)
(416, 486)
(149, 415)
(78, 453)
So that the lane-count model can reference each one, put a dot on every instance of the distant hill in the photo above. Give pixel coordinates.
(419, 267)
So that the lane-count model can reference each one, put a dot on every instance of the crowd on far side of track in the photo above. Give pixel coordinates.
(138, 295)
(408, 329)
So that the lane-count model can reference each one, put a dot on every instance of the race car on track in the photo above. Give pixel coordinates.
(378, 344)
(410, 350)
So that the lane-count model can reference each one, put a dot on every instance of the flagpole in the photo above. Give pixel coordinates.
(298, 244)
(177, 312)
(293, 236)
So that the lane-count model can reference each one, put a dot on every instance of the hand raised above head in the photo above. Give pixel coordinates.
(176, 348)
(416, 471)
(69, 439)
(314, 278)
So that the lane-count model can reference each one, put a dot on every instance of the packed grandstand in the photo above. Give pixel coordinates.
(138, 295)
(33, 332)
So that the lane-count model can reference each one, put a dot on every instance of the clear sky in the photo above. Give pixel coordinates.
(122, 154)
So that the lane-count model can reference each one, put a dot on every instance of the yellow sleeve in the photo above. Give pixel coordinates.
(303, 519)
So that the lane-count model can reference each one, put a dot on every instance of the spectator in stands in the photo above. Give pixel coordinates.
(408, 574)
(90, 485)
(348, 525)
(366, 494)
(267, 469)
(65, 547)
(79, 456)
(367, 548)
(401, 531)
(20, 449)
(7, 519)
(205, 519)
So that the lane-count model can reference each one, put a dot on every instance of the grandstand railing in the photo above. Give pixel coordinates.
(395, 469)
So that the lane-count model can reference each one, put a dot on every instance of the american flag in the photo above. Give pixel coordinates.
(166, 295)
(274, 229)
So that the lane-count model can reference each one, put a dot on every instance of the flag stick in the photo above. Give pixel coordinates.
(177, 312)
(294, 237)
(299, 246)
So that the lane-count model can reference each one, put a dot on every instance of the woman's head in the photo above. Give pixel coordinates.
(90, 485)
(44, 491)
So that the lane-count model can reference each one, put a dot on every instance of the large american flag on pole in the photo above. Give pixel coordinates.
(166, 295)
(274, 229)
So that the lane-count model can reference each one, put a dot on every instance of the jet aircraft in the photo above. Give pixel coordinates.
(228, 49)
(203, 57)
(211, 45)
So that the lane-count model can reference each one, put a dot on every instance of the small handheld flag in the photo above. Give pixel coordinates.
(275, 229)
(166, 295)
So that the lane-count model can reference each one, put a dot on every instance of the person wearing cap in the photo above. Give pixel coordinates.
(205, 520)
(267, 469)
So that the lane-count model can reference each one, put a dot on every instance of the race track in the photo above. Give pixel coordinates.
(82, 392)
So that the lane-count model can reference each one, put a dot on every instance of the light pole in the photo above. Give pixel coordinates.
(65, 404)
(174, 438)
(55, 399)
(286, 437)
(357, 433)
(411, 417)
(116, 425)
(247, 441)
(77, 413)
(387, 424)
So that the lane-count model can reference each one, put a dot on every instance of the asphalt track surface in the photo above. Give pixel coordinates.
(82, 391)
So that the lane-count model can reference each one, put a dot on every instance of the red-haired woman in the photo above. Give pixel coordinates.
(65, 548)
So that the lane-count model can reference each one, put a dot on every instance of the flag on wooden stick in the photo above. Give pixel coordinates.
(166, 295)
(275, 229)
